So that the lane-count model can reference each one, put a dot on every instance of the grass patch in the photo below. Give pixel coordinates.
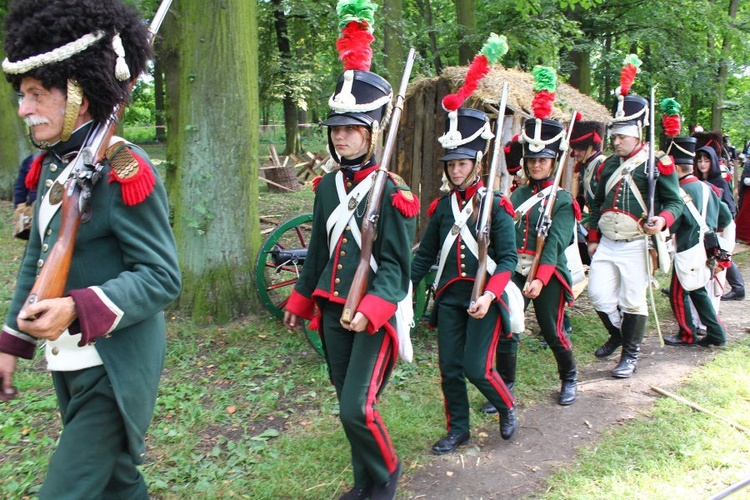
(673, 451)
(246, 410)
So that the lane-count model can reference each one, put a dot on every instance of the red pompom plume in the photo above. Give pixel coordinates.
(628, 72)
(493, 49)
(672, 125)
(627, 77)
(579, 117)
(478, 69)
(542, 104)
(671, 118)
(354, 46)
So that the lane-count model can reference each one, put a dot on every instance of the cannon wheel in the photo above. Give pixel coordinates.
(275, 283)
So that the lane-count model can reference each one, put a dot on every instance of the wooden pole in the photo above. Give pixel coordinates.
(699, 408)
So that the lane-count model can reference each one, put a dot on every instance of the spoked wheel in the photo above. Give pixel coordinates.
(278, 267)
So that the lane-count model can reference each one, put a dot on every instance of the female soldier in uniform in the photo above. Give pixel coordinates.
(360, 354)
(550, 287)
(468, 334)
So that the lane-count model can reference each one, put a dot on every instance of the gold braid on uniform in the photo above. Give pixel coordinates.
(133, 173)
(72, 107)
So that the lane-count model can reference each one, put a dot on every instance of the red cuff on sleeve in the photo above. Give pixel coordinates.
(545, 272)
(300, 305)
(378, 311)
(10, 344)
(593, 236)
(667, 217)
(95, 317)
(497, 283)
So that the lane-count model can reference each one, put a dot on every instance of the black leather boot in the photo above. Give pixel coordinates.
(508, 423)
(566, 366)
(633, 329)
(387, 491)
(615, 337)
(506, 367)
(357, 494)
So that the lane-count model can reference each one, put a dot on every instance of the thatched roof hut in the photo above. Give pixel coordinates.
(423, 120)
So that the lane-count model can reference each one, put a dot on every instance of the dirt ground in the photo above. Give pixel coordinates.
(549, 435)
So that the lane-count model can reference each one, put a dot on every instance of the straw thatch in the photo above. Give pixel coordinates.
(417, 153)
(521, 93)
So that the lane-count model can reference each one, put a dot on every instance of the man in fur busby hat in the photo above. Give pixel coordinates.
(72, 62)
(691, 274)
(617, 227)
(361, 352)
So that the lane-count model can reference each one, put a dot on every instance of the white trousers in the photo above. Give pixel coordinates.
(618, 278)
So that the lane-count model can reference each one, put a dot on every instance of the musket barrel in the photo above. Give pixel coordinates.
(358, 288)
(485, 219)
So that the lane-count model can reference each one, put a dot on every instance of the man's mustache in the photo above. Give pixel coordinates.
(35, 120)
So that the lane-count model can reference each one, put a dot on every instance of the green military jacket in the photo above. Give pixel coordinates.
(717, 216)
(124, 272)
(620, 198)
(461, 264)
(329, 270)
(560, 234)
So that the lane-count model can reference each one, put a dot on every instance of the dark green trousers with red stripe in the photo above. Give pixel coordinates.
(680, 298)
(359, 365)
(467, 348)
(549, 310)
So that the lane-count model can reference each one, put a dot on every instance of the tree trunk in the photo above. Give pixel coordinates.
(291, 125)
(215, 133)
(581, 77)
(466, 29)
(14, 147)
(393, 37)
(425, 9)
(722, 73)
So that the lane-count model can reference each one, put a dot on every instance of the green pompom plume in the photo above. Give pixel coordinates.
(633, 59)
(356, 10)
(494, 48)
(545, 78)
(670, 107)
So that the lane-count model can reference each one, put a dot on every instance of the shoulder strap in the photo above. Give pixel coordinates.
(698, 216)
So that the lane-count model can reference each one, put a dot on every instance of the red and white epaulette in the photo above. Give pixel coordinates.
(403, 199)
(507, 205)
(134, 174)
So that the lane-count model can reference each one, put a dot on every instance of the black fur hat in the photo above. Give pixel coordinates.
(714, 139)
(586, 134)
(35, 27)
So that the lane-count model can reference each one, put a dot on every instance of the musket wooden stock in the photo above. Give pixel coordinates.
(369, 223)
(53, 277)
(485, 220)
(51, 280)
(546, 219)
